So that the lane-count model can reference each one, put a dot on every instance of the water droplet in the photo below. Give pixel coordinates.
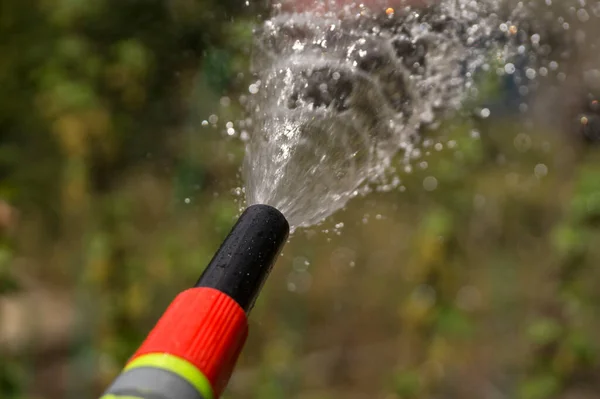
(298, 46)
(522, 142)
(430, 183)
(479, 201)
(427, 117)
(300, 282)
(300, 264)
(509, 68)
(583, 15)
(485, 113)
(540, 170)
(225, 101)
(213, 119)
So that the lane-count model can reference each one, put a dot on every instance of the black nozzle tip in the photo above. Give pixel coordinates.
(246, 257)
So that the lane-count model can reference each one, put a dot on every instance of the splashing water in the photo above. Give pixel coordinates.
(338, 95)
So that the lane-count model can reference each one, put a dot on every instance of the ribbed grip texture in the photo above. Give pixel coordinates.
(205, 327)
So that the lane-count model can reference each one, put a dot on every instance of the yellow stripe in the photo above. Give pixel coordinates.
(120, 397)
(177, 365)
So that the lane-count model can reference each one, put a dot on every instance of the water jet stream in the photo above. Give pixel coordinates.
(339, 93)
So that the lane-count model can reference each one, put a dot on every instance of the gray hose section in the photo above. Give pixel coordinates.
(153, 383)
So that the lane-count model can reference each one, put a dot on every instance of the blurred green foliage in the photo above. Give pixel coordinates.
(114, 196)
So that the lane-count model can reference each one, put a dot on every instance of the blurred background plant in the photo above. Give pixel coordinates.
(477, 280)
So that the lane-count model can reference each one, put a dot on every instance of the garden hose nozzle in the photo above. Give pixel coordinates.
(192, 350)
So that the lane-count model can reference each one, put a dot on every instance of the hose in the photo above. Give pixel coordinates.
(193, 349)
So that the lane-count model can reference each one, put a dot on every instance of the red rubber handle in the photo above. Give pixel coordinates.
(205, 327)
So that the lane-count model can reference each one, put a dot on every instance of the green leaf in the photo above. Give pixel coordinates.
(72, 95)
(133, 55)
(8, 285)
(544, 331)
(568, 239)
(583, 347)
(12, 378)
(437, 222)
(408, 384)
(540, 387)
(452, 322)
(73, 47)
(217, 69)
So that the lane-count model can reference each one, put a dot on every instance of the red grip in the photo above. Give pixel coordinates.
(205, 327)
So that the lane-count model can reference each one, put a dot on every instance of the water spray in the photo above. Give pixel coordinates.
(336, 99)
(339, 95)
(192, 350)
